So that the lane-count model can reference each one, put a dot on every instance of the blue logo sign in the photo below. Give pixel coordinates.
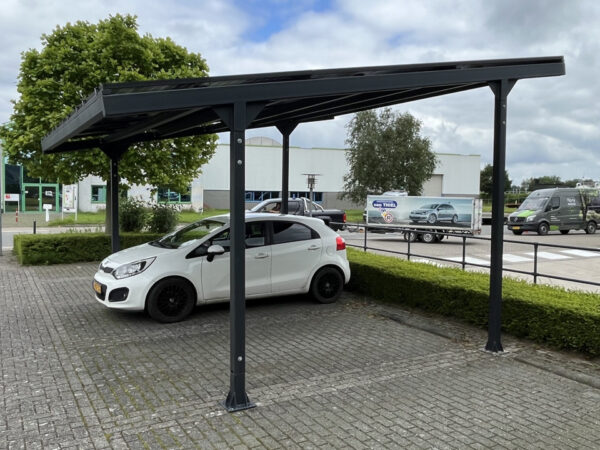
(389, 204)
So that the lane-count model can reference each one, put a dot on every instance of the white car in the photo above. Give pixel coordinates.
(285, 254)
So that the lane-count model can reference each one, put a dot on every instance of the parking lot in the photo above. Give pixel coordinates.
(355, 374)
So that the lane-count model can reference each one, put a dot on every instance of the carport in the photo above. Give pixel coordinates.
(116, 116)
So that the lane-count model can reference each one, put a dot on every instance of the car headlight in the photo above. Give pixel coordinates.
(530, 218)
(131, 269)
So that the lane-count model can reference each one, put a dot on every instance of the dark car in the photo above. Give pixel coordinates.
(334, 218)
(434, 213)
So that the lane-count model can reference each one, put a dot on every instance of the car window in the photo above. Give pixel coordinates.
(255, 237)
(292, 232)
(273, 207)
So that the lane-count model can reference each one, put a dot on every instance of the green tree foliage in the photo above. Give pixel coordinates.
(386, 152)
(75, 59)
(485, 180)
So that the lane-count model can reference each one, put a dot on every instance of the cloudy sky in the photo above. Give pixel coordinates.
(553, 123)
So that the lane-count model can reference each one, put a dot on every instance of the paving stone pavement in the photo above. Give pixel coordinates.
(355, 374)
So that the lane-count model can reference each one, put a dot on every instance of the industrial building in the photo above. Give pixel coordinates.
(455, 176)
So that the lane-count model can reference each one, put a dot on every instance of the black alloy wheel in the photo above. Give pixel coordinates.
(543, 229)
(171, 300)
(327, 285)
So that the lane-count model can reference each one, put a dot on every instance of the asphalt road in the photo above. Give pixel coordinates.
(580, 263)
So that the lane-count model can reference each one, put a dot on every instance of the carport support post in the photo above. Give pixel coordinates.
(501, 89)
(237, 399)
(114, 152)
(285, 129)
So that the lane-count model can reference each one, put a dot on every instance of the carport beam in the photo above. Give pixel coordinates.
(114, 152)
(501, 90)
(237, 399)
(285, 129)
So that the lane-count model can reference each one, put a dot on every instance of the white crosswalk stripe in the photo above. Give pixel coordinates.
(470, 260)
(582, 253)
(548, 255)
(515, 258)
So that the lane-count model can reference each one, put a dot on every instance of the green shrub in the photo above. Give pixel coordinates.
(561, 318)
(132, 215)
(37, 249)
(163, 218)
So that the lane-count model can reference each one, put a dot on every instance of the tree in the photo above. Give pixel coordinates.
(485, 180)
(74, 60)
(386, 152)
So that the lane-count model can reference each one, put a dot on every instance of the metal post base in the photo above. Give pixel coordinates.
(493, 346)
(232, 404)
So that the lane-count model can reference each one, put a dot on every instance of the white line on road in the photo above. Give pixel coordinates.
(547, 255)
(470, 260)
(515, 258)
(582, 253)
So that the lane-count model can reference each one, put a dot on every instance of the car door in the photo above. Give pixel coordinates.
(295, 251)
(215, 273)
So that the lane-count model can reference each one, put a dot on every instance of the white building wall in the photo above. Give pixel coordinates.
(458, 175)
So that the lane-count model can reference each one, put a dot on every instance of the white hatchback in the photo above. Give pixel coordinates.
(285, 254)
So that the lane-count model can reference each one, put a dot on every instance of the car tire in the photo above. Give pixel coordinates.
(517, 232)
(543, 229)
(455, 219)
(327, 285)
(432, 218)
(564, 231)
(428, 237)
(590, 228)
(171, 300)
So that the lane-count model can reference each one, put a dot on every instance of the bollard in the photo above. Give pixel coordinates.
(17, 215)
(34, 226)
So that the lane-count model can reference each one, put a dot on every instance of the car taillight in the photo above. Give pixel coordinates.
(344, 217)
(340, 243)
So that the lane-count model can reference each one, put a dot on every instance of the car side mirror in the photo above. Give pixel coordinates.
(213, 251)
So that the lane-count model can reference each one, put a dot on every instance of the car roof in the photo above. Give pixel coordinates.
(256, 216)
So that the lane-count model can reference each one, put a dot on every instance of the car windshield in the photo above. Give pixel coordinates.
(533, 204)
(261, 205)
(190, 233)
(432, 206)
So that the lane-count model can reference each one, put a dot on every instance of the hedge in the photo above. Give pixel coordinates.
(558, 317)
(64, 248)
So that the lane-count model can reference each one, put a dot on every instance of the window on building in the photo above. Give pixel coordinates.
(166, 195)
(317, 196)
(259, 196)
(98, 194)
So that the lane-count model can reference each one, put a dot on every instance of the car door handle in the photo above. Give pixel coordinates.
(314, 247)
(261, 256)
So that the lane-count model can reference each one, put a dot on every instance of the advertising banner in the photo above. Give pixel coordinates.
(438, 212)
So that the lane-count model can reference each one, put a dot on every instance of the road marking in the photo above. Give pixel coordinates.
(547, 255)
(582, 253)
(515, 258)
(470, 260)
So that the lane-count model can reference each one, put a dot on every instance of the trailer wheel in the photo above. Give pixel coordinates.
(409, 236)
(590, 228)
(428, 237)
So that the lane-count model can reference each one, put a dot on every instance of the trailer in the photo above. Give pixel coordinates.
(424, 218)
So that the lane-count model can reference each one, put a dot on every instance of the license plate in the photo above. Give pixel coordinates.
(516, 228)
(97, 287)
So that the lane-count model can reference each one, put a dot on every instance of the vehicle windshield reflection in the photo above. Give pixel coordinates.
(190, 233)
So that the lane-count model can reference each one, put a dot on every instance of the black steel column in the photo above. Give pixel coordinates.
(114, 153)
(285, 129)
(237, 398)
(501, 89)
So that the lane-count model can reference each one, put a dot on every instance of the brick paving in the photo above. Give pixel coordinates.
(355, 374)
